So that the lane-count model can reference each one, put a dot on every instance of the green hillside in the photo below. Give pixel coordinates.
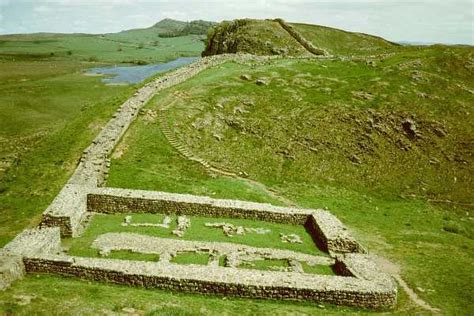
(339, 42)
(267, 37)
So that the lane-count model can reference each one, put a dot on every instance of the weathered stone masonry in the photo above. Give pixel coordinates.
(239, 282)
(111, 200)
(363, 284)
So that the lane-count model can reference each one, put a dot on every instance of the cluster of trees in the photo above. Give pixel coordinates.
(198, 27)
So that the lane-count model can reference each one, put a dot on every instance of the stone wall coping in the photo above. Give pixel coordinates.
(34, 241)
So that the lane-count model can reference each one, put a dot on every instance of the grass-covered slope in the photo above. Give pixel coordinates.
(339, 42)
(396, 126)
(268, 37)
(386, 144)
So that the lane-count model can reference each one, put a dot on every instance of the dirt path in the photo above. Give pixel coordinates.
(392, 269)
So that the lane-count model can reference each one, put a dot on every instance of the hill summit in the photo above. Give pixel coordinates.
(277, 37)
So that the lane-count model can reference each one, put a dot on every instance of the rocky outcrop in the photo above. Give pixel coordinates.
(257, 37)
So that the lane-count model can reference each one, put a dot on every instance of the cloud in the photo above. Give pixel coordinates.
(417, 20)
(43, 9)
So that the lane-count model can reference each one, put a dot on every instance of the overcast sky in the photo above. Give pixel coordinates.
(442, 21)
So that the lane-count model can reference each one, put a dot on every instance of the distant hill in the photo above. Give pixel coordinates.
(166, 40)
(164, 28)
(268, 37)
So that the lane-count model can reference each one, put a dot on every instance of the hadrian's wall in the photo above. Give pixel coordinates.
(67, 209)
(331, 235)
(303, 41)
(30, 242)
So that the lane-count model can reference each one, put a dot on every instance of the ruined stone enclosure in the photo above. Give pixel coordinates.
(354, 279)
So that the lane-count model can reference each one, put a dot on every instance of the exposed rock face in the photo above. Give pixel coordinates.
(258, 37)
(410, 128)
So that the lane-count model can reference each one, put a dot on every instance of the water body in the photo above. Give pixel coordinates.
(136, 74)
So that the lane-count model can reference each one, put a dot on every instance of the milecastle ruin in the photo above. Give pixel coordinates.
(358, 282)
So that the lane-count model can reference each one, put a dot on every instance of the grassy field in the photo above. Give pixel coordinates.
(90, 298)
(49, 112)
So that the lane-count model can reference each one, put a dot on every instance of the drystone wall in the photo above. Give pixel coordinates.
(331, 235)
(303, 41)
(30, 242)
(222, 281)
(167, 247)
(112, 200)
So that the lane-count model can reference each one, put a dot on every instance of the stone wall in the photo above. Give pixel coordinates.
(168, 247)
(331, 235)
(327, 231)
(30, 242)
(67, 210)
(111, 200)
(223, 281)
(297, 36)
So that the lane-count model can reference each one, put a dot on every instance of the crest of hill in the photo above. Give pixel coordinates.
(165, 28)
(268, 37)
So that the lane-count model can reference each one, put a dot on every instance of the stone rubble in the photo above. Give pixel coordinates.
(128, 222)
(236, 252)
(258, 230)
(291, 238)
(183, 224)
(230, 229)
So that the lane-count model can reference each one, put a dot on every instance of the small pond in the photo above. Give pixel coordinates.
(135, 74)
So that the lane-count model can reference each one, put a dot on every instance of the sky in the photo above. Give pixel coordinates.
(430, 21)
